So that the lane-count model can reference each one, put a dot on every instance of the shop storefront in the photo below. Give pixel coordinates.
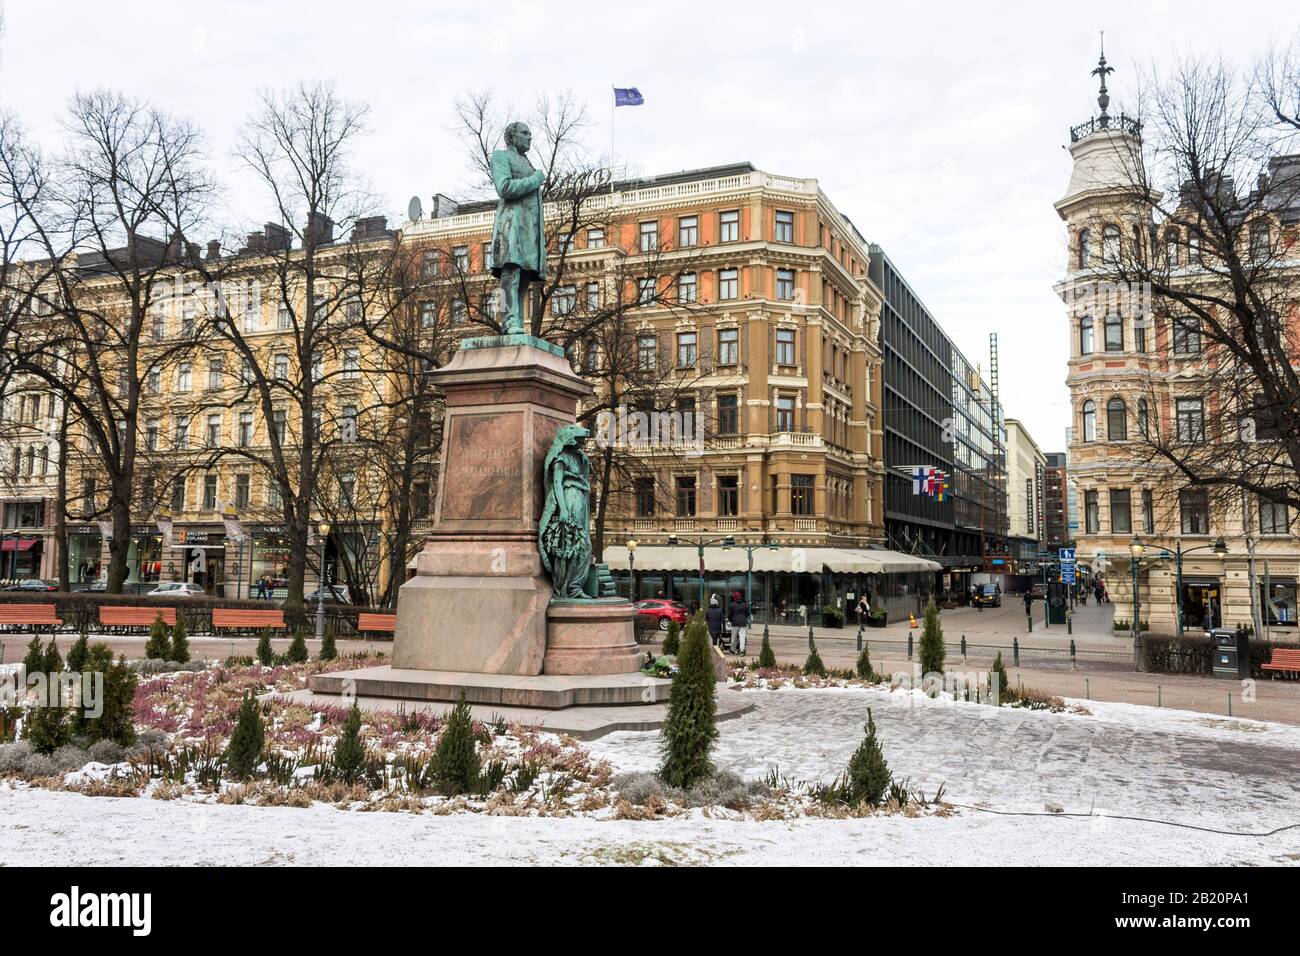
(85, 556)
(1202, 600)
(1279, 602)
(198, 555)
(144, 557)
(268, 551)
(20, 556)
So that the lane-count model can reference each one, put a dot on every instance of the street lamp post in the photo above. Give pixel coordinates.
(1136, 548)
(631, 568)
(1219, 547)
(324, 531)
(749, 570)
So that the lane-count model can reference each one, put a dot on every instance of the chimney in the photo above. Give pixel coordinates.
(320, 228)
(371, 227)
(443, 207)
(277, 237)
(214, 248)
(255, 244)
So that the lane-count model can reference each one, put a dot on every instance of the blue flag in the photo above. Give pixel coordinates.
(628, 97)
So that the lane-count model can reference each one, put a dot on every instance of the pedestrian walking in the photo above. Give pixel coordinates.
(864, 609)
(1029, 602)
(714, 617)
(738, 615)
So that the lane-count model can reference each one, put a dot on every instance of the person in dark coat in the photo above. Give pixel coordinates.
(1029, 602)
(738, 614)
(714, 617)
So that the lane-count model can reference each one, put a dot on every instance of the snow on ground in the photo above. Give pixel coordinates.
(1138, 761)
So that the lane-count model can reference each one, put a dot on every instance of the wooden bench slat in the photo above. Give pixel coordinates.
(377, 622)
(116, 615)
(234, 617)
(29, 614)
(1284, 660)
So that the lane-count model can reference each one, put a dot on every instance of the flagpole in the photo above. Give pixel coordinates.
(613, 105)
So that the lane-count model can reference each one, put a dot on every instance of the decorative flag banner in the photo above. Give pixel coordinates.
(929, 481)
(630, 96)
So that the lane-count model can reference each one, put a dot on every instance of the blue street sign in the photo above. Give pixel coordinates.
(1067, 573)
(1067, 554)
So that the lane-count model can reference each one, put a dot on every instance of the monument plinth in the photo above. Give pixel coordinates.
(479, 596)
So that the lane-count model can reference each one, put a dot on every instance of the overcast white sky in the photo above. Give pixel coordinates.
(937, 128)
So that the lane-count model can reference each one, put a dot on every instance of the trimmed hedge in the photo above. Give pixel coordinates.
(81, 608)
(1191, 654)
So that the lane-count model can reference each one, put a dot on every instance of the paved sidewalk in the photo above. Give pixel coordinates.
(14, 646)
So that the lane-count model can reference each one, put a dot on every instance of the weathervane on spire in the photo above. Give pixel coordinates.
(1103, 98)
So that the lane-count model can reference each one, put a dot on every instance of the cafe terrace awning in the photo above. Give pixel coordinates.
(17, 544)
(791, 559)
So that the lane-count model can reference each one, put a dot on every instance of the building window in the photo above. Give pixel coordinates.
(241, 491)
(212, 436)
(1085, 335)
(1187, 336)
(688, 231)
(1116, 420)
(154, 380)
(1195, 508)
(1148, 512)
(564, 300)
(595, 238)
(1143, 419)
(184, 377)
(1089, 420)
(430, 264)
(280, 367)
(645, 291)
(317, 366)
(784, 231)
(728, 284)
(1279, 602)
(728, 496)
(686, 287)
(1121, 515)
(1110, 245)
(728, 414)
(178, 495)
(280, 419)
(1140, 334)
(348, 424)
(151, 431)
(1259, 240)
(282, 319)
(487, 267)
(645, 497)
(245, 429)
(460, 258)
(593, 296)
(181, 439)
(351, 363)
(686, 349)
(1091, 522)
(685, 496)
(785, 284)
(1273, 517)
(347, 490)
(274, 494)
(728, 346)
(1085, 251)
(1172, 242)
(1190, 416)
(428, 314)
(801, 495)
(729, 225)
(785, 347)
(1114, 333)
(784, 413)
(649, 236)
(209, 492)
(420, 500)
(646, 349)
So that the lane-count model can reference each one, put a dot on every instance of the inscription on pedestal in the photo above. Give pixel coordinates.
(484, 467)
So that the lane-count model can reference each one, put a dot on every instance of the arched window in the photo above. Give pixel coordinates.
(31, 460)
(1114, 333)
(1110, 245)
(1116, 420)
(1089, 421)
(1085, 335)
(1172, 243)
(1143, 419)
(1084, 251)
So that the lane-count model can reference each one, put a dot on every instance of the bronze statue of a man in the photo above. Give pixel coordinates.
(518, 240)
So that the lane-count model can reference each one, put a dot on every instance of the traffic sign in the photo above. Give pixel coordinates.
(1067, 554)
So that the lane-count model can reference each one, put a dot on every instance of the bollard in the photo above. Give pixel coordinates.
(810, 638)
(2, 652)
(1019, 683)
(764, 630)
(1159, 696)
(859, 638)
(1087, 689)
(909, 645)
(1069, 623)
(1015, 650)
(1030, 619)
(1073, 665)
(963, 648)
(1229, 705)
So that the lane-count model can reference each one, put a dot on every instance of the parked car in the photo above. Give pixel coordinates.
(32, 584)
(335, 594)
(101, 586)
(1036, 591)
(988, 595)
(175, 589)
(665, 611)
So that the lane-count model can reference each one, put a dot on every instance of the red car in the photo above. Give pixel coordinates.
(664, 610)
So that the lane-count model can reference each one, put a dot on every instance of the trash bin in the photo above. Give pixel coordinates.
(1056, 602)
(1230, 650)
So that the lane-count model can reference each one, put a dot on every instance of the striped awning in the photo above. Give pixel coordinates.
(789, 559)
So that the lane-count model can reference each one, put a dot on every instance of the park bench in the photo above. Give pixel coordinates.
(116, 615)
(247, 620)
(29, 615)
(1286, 661)
(385, 623)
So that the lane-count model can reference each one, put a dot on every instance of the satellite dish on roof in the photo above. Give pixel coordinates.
(414, 210)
